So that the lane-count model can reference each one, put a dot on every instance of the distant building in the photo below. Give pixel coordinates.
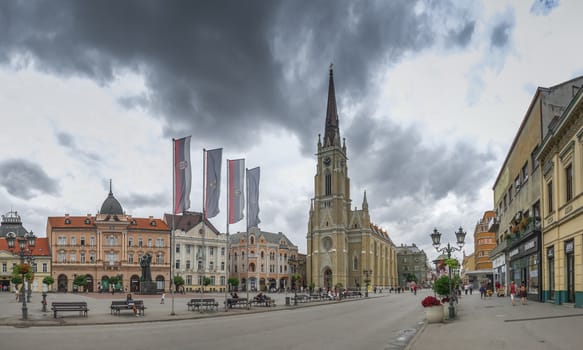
(109, 244)
(411, 265)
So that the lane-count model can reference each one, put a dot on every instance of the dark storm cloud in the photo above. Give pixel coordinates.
(136, 200)
(543, 7)
(462, 37)
(400, 167)
(66, 140)
(224, 70)
(24, 179)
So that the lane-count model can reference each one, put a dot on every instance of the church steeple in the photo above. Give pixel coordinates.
(331, 132)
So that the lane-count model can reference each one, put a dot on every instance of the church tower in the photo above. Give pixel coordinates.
(330, 207)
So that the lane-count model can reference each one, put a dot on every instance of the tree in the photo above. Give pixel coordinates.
(48, 280)
(178, 282)
(411, 277)
(233, 282)
(441, 286)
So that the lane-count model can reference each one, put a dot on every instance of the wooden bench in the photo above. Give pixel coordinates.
(265, 302)
(118, 305)
(352, 294)
(199, 304)
(77, 306)
(301, 298)
(237, 302)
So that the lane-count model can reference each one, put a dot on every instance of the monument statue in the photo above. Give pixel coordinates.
(145, 262)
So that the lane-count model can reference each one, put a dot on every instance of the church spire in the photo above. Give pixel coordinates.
(365, 202)
(331, 129)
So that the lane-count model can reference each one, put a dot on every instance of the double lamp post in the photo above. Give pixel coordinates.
(26, 245)
(460, 237)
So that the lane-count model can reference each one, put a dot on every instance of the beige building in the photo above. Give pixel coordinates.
(561, 159)
(200, 251)
(109, 244)
(11, 225)
(344, 246)
(267, 262)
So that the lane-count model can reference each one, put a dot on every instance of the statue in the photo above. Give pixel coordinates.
(145, 262)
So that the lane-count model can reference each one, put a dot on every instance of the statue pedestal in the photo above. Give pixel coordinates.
(148, 287)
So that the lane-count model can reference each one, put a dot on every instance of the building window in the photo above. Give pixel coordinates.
(199, 265)
(328, 183)
(82, 257)
(189, 280)
(160, 259)
(550, 196)
(140, 242)
(212, 266)
(223, 251)
(160, 242)
(177, 265)
(73, 241)
(517, 184)
(45, 267)
(569, 182)
(62, 240)
(222, 266)
(510, 195)
(72, 258)
(533, 159)
(92, 240)
(222, 280)
(130, 241)
(4, 267)
(211, 251)
(178, 248)
(187, 264)
(525, 172)
(212, 280)
(92, 257)
(188, 249)
(131, 258)
(82, 241)
(149, 243)
(355, 263)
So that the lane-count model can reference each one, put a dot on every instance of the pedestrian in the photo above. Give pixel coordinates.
(482, 291)
(512, 292)
(471, 289)
(523, 293)
(163, 298)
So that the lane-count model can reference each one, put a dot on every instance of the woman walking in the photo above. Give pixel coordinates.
(523, 293)
(512, 292)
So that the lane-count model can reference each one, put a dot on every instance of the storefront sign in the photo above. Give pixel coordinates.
(499, 261)
(569, 247)
(513, 252)
(529, 245)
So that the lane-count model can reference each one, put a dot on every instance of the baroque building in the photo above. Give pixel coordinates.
(411, 265)
(109, 244)
(11, 225)
(200, 251)
(344, 247)
(264, 261)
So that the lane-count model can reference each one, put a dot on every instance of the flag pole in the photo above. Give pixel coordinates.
(204, 172)
(227, 236)
(173, 227)
(247, 238)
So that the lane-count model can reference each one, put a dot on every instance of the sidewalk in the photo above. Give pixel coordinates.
(99, 308)
(493, 323)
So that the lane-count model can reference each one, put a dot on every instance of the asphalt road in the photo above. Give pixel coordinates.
(386, 322)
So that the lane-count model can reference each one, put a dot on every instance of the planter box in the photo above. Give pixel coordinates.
(434, 314)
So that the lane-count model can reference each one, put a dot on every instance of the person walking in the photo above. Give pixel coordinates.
(512, 292)
(163, 298)
(523, 293)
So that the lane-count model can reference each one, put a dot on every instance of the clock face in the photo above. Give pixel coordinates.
(327, 160)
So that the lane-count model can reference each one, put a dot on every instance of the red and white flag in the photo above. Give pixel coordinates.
(236, 176)
(182, 175)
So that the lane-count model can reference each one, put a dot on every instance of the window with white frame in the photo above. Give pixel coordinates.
(61, 240)
(92, 241)
(150, 242)
(45, 267)
(131, 258)
(73, 240)
(160, 242)
(92, 257)
(61, 257)
(82, 257)
(4, 267)
(160, 259)
(130, 241)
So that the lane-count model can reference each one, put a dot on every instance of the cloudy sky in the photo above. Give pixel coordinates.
(430, 95)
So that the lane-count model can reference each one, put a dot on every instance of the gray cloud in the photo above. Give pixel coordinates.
(24, 179)
(462, 37)
(543, 7)
(501, 34)
(67, 140)
(220, 71)
(137, 200)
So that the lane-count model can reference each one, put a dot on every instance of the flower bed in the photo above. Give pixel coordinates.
(430, 301)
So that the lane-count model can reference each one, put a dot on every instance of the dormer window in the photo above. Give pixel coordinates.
(67, 221)
(152, 223)
(87, 221)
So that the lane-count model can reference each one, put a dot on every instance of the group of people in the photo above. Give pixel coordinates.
(521, 293)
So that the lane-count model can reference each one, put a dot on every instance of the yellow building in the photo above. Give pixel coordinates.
(344, 247)
(109, 244)
(561, 158)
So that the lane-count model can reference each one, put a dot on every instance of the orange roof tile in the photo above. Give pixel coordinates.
(41, 247)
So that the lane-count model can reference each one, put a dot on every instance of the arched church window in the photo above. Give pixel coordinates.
(355, 264)
(252, 240)
(328, 183)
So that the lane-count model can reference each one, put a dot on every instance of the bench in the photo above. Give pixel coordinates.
(77, 306)
(237, 302)
(352, 294)
(118, 305)
(199, 304)
(302, 298)
(265, 302)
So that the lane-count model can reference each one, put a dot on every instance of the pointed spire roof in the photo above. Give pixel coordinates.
(331, 128)
(111, 204)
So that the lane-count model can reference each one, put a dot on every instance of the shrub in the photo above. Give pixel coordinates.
(430, 301)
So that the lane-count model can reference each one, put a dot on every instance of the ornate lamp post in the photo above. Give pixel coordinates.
(293, 262)
(460, 237)
(25, 245)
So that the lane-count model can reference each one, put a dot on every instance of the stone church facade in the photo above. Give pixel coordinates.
(344, 246)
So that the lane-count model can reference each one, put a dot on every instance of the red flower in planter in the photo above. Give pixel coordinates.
(430, 301)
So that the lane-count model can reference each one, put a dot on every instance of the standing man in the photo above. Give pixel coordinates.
(512, 292)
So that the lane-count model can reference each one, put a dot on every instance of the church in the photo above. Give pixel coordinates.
(345, 249)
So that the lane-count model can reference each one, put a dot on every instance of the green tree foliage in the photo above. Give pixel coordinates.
(441, 286)
(80, 280)
(48, 280)
(178, 281)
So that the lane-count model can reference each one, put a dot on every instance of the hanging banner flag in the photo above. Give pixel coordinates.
(182, 175)
(213, 181)
(236, 179)
(253, 198)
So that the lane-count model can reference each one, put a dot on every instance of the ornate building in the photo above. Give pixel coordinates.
(11, 225)
(268, 262)
(109, 244)
(200, 251)
(411, 265)
(344, 246)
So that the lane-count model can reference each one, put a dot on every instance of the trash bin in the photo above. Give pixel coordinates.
(287, 301)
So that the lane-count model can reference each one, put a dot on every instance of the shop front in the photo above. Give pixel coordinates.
(525, 266)
(499, 267)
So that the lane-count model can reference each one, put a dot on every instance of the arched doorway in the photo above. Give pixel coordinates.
(62, 281)
(135, 283)
(262, 284)
(328, 278)
(89, 286)
(160, 282)
(105, 284)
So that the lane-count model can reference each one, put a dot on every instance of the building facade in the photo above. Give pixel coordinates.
(344, 247)
(11, 224)
(200, 251)
(484, 241)
(109, 244)
(411, 265)
(517, 193)
(561, 159)
(264, 261)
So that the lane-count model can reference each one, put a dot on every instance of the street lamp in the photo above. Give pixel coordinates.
(460, 236)
(293, 261)
(25, 245)
(366, 281)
